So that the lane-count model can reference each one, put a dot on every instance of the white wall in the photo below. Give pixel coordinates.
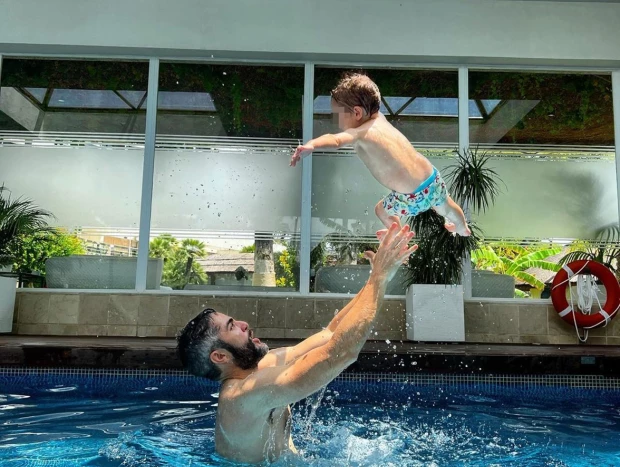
(472, 31)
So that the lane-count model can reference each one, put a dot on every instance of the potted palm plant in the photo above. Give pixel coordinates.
(435, 306)
(19, 218)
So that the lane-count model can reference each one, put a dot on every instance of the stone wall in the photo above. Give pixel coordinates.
(155, 315)
(149, 315)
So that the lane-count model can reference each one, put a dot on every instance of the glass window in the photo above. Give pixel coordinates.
(226, 204)
(72, 141)
(423, 105)
(551, 140)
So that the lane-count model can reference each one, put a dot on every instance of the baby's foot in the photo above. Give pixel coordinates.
(463, 231)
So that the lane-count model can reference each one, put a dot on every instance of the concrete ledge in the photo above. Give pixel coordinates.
(376, 356)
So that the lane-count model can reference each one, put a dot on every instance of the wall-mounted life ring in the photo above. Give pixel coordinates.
(565, 310)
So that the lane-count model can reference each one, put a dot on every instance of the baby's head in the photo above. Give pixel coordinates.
(355, 99)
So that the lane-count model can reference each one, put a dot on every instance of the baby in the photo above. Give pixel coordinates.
(416, 185)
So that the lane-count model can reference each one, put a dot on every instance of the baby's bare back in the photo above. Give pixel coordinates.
(390, 157)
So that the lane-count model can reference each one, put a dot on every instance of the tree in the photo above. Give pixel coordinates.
(19, 218)
(163, 246)
(180, 267)
(35, 249)
(287, 268)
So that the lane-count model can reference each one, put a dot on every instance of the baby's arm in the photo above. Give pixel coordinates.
(326, 141)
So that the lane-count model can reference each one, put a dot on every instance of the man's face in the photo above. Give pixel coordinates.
(239, 340)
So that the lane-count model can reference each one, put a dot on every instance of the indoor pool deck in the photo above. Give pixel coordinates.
(160, 353)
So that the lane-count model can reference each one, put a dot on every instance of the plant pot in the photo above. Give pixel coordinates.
(99, 272)
(8, 289)
(435, 313)
(488, 284)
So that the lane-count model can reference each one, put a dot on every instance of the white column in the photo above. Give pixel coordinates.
(306, 182)
(615, 80)
(463, 146)
(147, 175)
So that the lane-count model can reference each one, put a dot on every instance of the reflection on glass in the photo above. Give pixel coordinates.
(552, 141)
(226, 204)
(423, 105)
(72, 139)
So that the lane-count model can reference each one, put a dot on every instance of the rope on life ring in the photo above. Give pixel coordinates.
(578, 317)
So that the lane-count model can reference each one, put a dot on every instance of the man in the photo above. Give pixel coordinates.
(257, 385)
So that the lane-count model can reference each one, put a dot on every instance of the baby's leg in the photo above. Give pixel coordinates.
(453, 212)
(385, 218)
(383, 215)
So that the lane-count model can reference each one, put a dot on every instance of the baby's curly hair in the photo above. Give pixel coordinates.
(357, 89)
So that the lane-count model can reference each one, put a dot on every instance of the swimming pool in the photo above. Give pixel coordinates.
(136, 418)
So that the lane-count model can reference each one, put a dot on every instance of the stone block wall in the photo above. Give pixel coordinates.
(528, 324)
(149, 315)
(156, 315)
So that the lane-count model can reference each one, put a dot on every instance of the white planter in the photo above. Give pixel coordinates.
(435, 313)
(8, 288)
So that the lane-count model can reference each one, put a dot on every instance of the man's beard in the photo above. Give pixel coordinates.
(247, 356)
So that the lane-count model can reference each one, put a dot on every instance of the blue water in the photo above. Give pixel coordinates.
(81, 421)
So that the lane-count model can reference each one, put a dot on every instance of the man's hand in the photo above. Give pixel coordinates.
(393, 251)
(301, 150)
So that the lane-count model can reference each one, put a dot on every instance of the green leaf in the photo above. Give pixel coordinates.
(530, 279)
(541, 264)
(541, 254)
(472, 183)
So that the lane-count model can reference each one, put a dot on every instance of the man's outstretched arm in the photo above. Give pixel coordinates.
(281, 385)
(286, 355)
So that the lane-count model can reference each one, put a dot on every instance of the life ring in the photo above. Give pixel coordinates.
(565, 310)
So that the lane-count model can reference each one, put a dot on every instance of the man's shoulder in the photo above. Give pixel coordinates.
(238, 389)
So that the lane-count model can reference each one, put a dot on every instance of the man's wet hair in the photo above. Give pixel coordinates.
(195, 343)
(200, 337)
(357, 89)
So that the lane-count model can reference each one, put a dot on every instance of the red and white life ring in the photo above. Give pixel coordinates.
(565, 310)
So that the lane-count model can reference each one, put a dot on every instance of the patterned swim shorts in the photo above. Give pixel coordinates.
(430, 194)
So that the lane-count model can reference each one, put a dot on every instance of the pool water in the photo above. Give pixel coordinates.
(161, 421)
